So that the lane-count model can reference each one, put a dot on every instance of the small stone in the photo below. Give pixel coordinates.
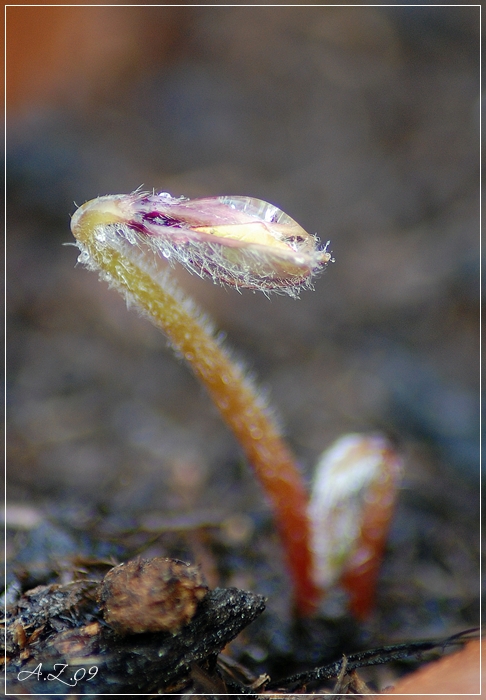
(151, 595)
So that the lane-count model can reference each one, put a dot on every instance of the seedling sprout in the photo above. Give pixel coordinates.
(237, 241)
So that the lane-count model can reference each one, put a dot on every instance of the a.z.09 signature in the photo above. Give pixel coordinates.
(72, 681)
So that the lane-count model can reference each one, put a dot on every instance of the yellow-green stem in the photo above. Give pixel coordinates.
(236, 398)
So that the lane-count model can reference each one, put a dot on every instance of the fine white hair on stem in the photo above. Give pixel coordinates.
(132, 248)
(144, 230)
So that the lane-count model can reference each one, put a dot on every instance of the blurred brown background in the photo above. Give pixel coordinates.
(362, 123)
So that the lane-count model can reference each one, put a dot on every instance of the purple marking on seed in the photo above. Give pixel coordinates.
(156, 217)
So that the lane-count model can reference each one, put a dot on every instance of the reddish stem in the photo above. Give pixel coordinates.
(138, 278)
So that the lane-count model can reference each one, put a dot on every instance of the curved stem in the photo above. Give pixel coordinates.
(137, 276)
